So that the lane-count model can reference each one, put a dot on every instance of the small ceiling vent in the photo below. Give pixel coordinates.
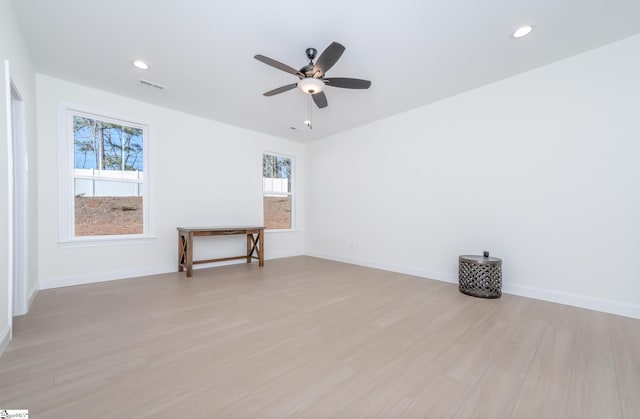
(152, 84)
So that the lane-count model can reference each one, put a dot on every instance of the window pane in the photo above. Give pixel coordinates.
(132, 149)
(84, 142)
(277, 167)
(108, 146)
(108, 215)
(277, 212)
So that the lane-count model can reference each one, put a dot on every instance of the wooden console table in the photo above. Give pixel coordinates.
(255, 244)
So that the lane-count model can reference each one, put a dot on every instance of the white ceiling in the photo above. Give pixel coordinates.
(414, 51)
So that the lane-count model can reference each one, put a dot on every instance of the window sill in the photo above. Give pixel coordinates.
(105, 241)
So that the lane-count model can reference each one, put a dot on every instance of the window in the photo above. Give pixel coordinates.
(105, 178)
(277, 174)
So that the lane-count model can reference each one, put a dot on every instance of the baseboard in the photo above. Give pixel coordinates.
(91, 278)
(281, 255)
(5, 337)
(575, 300)
(440, 276)
(32, 294)
(582, 301)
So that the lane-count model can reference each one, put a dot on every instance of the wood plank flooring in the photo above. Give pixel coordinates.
(310, 338)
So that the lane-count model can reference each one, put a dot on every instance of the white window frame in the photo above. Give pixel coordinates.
(66, 207)
(291, 193)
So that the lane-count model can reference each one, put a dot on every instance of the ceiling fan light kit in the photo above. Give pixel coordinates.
(310, 85)
(312, 76)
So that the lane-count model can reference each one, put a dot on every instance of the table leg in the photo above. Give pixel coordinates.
(180, 252)
(260, 238)
(189, 254)
(249, 247)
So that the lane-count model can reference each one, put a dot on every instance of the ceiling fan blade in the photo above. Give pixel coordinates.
(320, 99)
(276, 64)
(281, 89)
(327, 59)
(347, 83)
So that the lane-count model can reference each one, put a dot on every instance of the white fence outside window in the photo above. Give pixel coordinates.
(92, 182)
(275, 186)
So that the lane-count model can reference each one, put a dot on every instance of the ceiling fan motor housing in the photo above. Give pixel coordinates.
(307, 70)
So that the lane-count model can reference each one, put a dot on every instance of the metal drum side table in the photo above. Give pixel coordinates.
(480, 276)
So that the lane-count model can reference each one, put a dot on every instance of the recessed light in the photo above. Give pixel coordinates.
(522, 31)
(141, 64)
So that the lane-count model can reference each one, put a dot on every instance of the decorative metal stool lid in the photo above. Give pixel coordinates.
(481, 260)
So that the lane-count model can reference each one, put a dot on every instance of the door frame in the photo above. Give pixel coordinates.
(20, 202)
(10, 172)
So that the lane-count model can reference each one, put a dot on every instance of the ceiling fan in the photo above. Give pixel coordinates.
(312, 76)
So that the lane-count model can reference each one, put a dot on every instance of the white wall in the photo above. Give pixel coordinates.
(12, 49)
(200, 173)
(542, 169)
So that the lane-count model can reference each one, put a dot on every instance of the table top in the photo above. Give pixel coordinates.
(219, 228)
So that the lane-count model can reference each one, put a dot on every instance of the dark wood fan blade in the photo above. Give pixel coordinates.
(276, 64)
(347, 83)
(327, 59)
(281, 89)
(320, 99)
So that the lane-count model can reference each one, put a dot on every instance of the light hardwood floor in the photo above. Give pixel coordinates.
(306, 337)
